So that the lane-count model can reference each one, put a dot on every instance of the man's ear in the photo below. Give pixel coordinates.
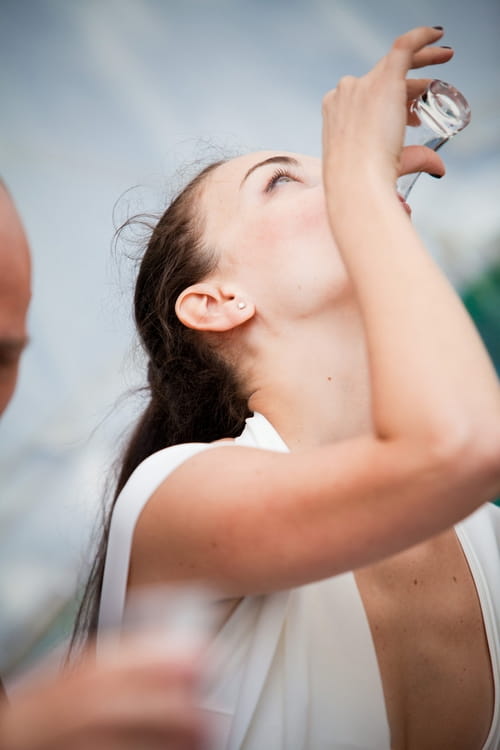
(208, 307)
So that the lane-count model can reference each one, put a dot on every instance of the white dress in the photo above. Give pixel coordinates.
(297, 669)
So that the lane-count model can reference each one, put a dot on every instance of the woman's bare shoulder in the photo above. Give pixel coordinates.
(252, 520)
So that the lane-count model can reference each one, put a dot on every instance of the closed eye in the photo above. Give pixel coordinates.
(280, 174)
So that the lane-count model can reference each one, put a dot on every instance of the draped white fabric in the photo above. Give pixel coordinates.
(297, 670)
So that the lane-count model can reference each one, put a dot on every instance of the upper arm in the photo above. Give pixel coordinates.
(251, 520)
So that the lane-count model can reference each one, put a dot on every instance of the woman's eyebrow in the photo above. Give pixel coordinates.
(271, 160)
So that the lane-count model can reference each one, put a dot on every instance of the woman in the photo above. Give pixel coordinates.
(298, 292)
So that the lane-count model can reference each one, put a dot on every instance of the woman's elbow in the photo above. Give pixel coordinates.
(470, 454)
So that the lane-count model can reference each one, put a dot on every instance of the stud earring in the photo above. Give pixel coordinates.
(242, 305)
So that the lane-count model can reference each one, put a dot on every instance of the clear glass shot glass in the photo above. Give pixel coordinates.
(436, 116)
(183, 615)
(181, 619)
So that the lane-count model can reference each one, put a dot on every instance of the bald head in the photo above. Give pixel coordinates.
(15, 293)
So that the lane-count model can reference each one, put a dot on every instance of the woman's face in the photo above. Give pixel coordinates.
(265, 215)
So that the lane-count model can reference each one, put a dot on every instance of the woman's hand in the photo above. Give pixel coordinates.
(364, 119)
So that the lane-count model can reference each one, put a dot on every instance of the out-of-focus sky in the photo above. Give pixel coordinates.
(101, 96)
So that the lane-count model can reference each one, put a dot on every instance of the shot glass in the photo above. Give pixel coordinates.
(436, 116)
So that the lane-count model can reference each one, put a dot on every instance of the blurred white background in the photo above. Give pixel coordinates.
(99, 96)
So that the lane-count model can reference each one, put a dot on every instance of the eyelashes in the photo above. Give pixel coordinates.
(277, 175)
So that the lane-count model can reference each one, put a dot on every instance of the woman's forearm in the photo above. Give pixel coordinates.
(429, 368)
(431, 376)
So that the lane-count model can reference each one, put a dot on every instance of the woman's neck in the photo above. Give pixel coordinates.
(314, 392)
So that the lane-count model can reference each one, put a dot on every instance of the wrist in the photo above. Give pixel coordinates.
(359, 202)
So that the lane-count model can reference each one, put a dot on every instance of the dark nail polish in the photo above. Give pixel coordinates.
(437, 176)
(438, 28)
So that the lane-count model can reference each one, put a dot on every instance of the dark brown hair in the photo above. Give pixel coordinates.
(193, 395)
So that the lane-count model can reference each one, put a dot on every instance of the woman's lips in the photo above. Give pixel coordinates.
(405, 205)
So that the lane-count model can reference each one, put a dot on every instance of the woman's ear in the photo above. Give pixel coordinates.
(208, 307)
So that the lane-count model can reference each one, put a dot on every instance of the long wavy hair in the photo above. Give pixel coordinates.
(192, 393)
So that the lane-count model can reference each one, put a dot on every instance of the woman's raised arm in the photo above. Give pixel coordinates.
(431, 377)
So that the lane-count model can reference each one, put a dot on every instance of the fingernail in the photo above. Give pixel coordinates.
(438, 28)
(437, 176)
(445, 46)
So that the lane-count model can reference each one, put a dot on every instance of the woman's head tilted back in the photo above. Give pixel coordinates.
(246, 234)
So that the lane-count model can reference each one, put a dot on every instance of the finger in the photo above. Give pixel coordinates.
(406, 47)
(431, 56)
(420, 159)
(418, 38)
(415, 87)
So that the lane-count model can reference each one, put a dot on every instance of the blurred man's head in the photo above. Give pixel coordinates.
(15, 293)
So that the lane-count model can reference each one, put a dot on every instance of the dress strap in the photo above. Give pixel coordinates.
(142, 484)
